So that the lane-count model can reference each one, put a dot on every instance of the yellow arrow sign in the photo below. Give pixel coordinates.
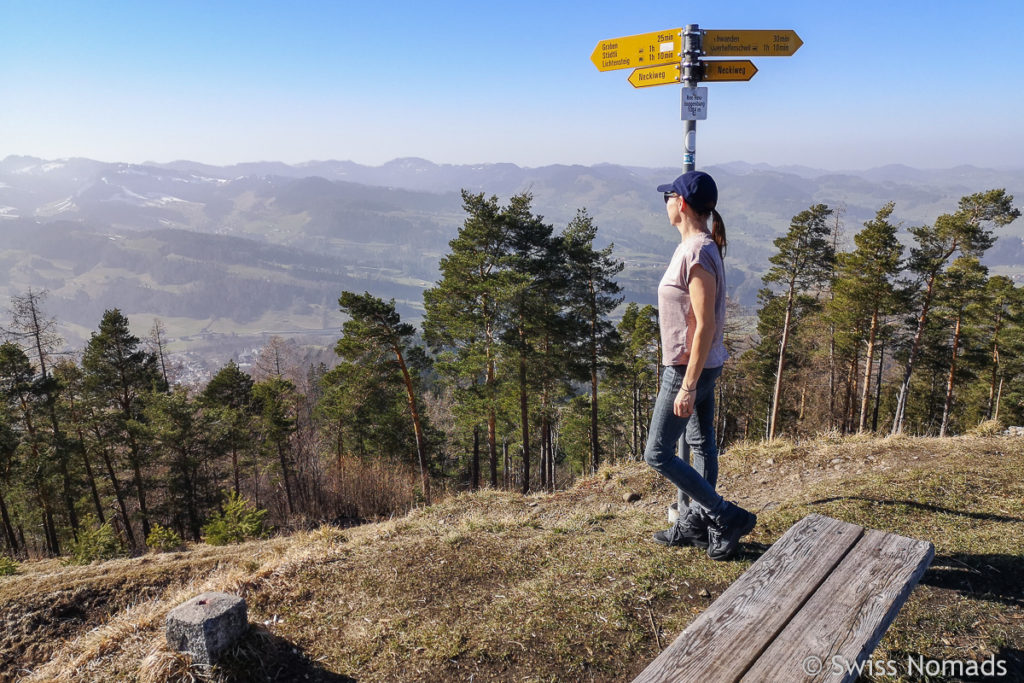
(729, 70)
(751, 43)
(655, 75)
(645, 49)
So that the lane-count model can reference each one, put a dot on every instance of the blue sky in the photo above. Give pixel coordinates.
(928, 84)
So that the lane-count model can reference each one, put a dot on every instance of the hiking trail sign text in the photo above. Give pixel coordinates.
(646, 49)
(751, 43)
(675, 56)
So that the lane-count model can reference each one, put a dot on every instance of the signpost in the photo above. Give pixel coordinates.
(654, 75)
(674, 56)
(751, 43)
(646, 49)
(729, 70)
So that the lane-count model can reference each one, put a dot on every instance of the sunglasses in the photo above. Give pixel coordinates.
(669, 195)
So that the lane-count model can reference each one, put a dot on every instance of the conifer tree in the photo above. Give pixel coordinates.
(868, 277)
(230, 391)
(187, 439)
(636, 369)
(463, 311)
(119, 373)
(960, 287)
(9, 442)
(38, 334)
(594, 294)
(375, 329)
(969, 231)
(1001, 300)
(21, 397)
(801, 268)
(275, 401)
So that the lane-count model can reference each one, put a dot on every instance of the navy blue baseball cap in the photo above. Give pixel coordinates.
(697, 189)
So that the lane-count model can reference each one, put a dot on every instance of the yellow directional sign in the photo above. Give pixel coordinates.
(646, 49)
(655, 75)
(751, 43)
(729, 70)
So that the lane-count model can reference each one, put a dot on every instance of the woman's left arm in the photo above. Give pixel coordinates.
(702, 301)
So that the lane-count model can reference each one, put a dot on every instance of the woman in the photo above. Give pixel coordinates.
(691, 317)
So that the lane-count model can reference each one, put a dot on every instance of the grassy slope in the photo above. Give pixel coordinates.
(547, 587)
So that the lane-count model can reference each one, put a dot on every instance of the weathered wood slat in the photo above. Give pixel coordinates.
(724, 641)
(849, 613)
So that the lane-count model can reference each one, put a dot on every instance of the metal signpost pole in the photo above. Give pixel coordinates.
(690, 75)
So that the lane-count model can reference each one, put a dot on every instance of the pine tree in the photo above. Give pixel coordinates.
(187, 440)
(594, 294)
(275, 398)
(636, 369)
(1000, 298)
(969, 231)
(960, 288)
(230, 391)
(9, 442)
(21, 397)
(118, 374)
(463, 312)
(38, 332)
(802, 268)
(375, 330)
(868, 278)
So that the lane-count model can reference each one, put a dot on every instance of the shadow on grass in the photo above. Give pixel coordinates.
(985, 516)
(261, 656)
(985, 577)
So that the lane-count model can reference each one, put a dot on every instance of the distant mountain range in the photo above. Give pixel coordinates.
(267, 247)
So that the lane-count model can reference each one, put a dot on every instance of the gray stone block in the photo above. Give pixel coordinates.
(206, 625)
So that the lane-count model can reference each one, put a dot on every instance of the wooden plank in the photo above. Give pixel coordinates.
(849, 613)
(724, 641)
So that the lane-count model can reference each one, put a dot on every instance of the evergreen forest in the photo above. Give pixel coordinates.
(529, 370)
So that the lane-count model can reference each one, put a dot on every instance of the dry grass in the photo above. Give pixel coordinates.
(498, 586)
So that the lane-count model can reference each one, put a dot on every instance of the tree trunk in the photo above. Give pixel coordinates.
(852, 380)
(139, 486)
(506, 466)
(774, 409)
(49, 528)
(948, 404)
(832, 378)
(999, 395)
(284, 473)
(5, 518)
(901, 401)
(995, 364)
(878, 388)
(868, 361)
(92, 483)
(475, 469)
(421, 450)
(118, 494)
(524, 416)
(595, 446)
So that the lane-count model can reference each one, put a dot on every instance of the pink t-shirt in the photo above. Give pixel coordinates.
(675, 314)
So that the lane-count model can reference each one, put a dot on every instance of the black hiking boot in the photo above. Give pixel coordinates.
(690, 529)
(724, 533)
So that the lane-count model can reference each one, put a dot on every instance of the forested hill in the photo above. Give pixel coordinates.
(153, 239)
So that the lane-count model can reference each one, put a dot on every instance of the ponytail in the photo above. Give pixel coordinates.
(718, 231)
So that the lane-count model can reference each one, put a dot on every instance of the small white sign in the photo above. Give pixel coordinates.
(695, 104)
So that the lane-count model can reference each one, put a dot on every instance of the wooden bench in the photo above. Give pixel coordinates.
(823, 594)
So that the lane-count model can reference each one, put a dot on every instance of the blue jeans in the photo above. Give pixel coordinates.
(698, 430)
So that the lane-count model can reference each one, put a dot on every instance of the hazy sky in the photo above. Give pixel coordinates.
(925, 83)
